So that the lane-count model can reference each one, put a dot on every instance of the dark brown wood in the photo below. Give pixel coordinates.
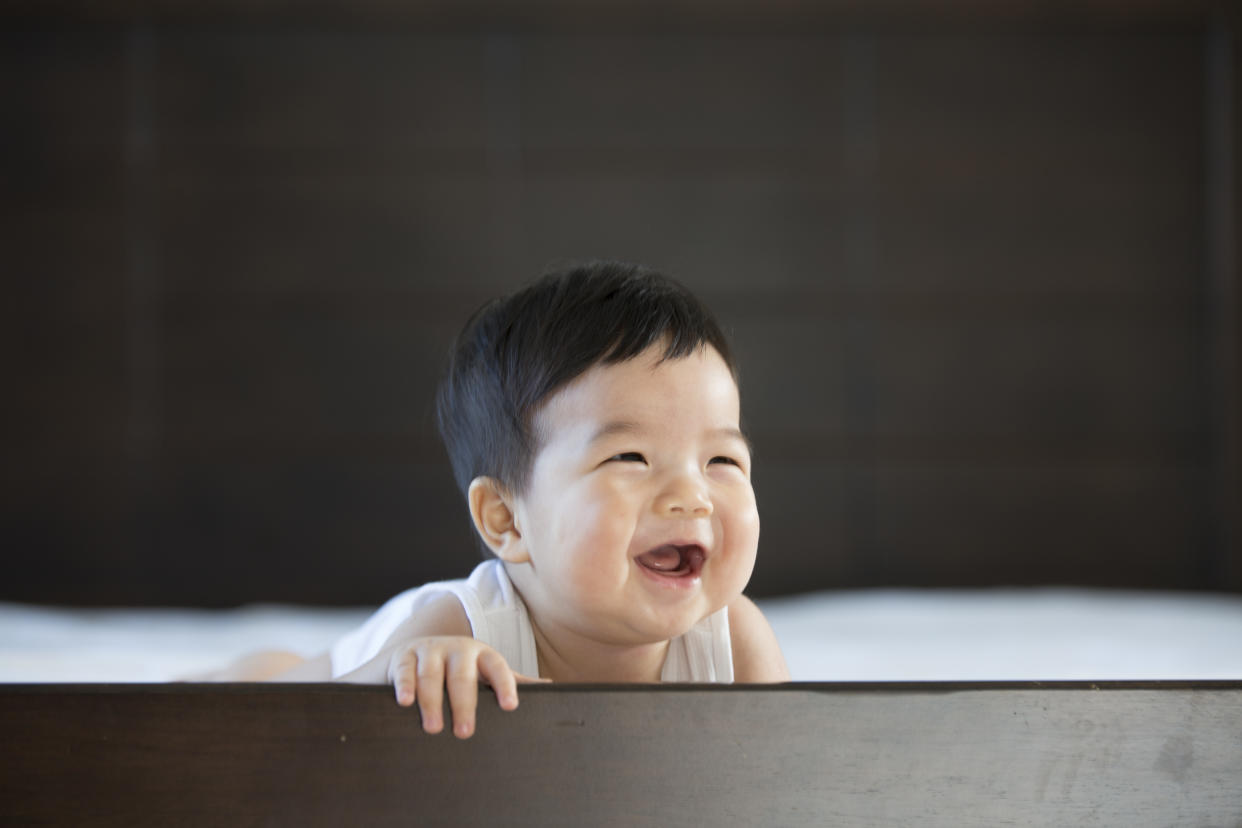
(930, 754)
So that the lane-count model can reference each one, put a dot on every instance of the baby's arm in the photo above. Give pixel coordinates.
(270, 665)
(757, 655)
(431, 650)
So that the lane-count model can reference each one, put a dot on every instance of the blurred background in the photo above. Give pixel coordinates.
(978, 260)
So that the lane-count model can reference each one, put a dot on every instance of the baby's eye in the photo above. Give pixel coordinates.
(723, 459)
(629, 457)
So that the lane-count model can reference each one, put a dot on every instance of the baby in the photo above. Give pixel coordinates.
(592, 421)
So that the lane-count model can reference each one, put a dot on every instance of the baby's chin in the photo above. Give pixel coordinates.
(663, 627)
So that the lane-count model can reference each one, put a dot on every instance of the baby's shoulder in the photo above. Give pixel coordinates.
(419, 612)
(440, 614)
(756, 653)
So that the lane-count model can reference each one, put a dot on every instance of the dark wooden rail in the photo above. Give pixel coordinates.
(802, 754)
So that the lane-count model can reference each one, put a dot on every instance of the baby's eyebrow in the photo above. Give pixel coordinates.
(736, 433)
(615, 427)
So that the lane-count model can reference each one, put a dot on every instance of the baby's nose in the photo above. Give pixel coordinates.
(684, 498)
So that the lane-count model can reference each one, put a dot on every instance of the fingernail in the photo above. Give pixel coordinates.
(462, 729)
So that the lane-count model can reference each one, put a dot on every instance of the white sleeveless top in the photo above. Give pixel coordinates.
(498, 618)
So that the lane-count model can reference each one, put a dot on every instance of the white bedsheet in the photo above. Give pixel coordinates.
(872, 635)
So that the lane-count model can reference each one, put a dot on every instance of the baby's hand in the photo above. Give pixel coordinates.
(420, 670)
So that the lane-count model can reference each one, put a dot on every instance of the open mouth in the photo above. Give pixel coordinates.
(674, 560)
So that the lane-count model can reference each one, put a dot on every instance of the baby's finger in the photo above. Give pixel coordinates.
(496, 671)
(401, 672)
(463, 690)
(431, 690)
(525, 679)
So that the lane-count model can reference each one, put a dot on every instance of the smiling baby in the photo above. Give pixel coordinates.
(593, 423)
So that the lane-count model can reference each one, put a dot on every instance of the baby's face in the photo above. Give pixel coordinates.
(639, 519)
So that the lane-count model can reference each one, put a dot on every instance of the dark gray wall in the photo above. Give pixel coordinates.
(979, 272)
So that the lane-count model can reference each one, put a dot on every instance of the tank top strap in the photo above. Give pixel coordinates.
(498, 616)
(703, 654)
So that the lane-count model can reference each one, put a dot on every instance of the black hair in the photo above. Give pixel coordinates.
(515, 351)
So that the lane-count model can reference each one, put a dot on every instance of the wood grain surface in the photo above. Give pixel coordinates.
(1128, 754)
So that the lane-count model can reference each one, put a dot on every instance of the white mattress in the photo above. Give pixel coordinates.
(873, 635)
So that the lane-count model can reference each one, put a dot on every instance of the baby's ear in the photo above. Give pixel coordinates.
(491, 507)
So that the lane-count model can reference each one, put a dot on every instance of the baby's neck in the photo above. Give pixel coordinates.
(570, 660)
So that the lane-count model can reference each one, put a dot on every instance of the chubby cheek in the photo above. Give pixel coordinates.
(593, 534)
(742, 540)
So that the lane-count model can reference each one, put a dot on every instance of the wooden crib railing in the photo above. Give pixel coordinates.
(1116, 753)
